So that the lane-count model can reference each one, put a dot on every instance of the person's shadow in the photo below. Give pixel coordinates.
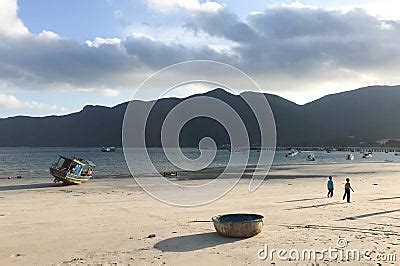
(193, 242)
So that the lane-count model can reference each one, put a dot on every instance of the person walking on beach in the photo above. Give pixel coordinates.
(347, 188)
(330, 187)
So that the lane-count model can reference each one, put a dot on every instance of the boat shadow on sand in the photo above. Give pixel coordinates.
(31, 186)
(193, 242)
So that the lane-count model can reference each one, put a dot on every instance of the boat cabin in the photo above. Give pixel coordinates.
(72, 170)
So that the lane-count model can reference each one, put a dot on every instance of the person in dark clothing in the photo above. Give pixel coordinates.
(330, 187)
(347, 188)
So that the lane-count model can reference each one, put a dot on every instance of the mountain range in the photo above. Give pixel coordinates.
(354, 118)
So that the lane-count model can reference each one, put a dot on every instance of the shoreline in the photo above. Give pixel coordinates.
(209, 173)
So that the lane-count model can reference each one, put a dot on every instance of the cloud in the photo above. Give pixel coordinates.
(187, 5)
(39, 62)
(297, 47)
(110, 92)
(47, 61)
(97, 42)
(221, 23)
(383, 9)
(42, 62)
(48, 35)
(157, 54)
(10, 24)
(12, 102)
(286, 48)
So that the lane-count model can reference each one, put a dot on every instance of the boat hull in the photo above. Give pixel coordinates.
(68, 178)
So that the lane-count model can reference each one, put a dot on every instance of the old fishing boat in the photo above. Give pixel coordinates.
(238, 225)
(72, 170)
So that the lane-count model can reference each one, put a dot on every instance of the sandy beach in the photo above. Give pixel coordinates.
(108, 221)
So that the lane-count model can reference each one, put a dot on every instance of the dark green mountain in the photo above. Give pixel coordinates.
(359, 117)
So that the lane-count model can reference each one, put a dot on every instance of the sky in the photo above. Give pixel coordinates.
(58, 56)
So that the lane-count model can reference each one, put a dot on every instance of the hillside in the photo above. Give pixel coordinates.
(361, 116)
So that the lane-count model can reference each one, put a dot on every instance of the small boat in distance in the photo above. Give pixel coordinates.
(292, 153)
(108, 149)
(350, 157)
(72, 170)
(367, 155)
(311, 157)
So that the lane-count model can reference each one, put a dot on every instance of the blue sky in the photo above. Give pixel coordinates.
(57, 56)
(78, 20)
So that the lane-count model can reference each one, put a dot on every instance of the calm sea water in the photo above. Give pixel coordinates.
(35, 162)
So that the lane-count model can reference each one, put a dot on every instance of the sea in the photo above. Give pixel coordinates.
(25, 162)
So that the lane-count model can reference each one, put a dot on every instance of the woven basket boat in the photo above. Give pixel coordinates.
(238, 225)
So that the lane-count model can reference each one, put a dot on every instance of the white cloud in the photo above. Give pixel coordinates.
(97, 42)
(295, 4)
(110, 92)
(12, 102)
(187, 5)
(49, 35)
(10, 24)
(118, 14)
(384, 9)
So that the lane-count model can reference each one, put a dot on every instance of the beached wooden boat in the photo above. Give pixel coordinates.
(72, 170)
(238, 225)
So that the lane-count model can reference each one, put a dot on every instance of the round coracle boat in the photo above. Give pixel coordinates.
(238, 225)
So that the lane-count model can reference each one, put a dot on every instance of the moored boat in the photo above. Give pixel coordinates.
(108, 149)
(72, 170)
(350, 157)
(292, 153)
(367, 155)
(311, 157)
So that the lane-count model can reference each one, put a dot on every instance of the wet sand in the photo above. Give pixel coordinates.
(108, 221)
